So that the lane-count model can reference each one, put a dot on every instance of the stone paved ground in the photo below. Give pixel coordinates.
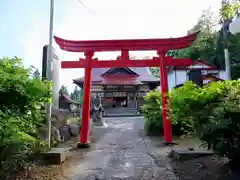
(124, 153)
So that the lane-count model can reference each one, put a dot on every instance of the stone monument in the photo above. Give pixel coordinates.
(97, 110)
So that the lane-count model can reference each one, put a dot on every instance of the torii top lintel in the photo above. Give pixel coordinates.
(127, 44)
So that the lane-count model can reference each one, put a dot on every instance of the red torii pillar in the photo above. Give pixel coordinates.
(162, 61)
(86, 101)
(167, 123)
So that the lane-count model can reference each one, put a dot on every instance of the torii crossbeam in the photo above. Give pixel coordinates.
(162, 46)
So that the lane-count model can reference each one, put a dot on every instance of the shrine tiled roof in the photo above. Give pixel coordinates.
(143, 72)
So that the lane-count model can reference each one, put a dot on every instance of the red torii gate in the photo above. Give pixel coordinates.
(162, 46)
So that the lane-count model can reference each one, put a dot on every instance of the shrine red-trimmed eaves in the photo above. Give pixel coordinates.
(162, 61)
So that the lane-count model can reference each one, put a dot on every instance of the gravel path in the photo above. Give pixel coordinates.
(123, 153)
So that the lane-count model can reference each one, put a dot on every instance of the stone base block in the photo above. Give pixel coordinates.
(169, 143)
(56, 156)
(83, 145)
(101, 124)
(184, 154)
(98, 123)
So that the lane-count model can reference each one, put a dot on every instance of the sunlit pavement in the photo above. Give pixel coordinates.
(123, 152)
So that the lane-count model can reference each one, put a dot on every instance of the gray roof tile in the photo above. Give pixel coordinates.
(143, 72)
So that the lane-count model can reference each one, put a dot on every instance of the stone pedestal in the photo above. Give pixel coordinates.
(56, 156)
(83, 145)
(97, 118)
(183, 154)
(98, 123)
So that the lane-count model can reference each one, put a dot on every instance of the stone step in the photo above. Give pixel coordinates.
(121, 114)
(184, 154)
(121, 109)
(56, 156)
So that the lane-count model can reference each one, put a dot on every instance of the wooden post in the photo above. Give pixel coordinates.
(167, 124)
(84, 134)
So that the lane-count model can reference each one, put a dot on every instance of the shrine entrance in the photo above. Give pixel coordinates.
(121, 90)
(161, 46)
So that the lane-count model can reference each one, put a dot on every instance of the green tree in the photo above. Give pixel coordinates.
(209, 45)
(63, 90)
(204, 47)
(227, 12)
(21, 115)
(36, 74)
(75, 95)
(155, 71)
(228, 9)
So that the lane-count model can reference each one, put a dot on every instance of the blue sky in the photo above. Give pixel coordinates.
(24, 25)
(17, 19)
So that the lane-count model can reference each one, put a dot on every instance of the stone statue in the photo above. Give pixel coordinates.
(97, 112)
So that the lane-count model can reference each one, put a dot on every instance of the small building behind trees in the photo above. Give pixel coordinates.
(66, 103)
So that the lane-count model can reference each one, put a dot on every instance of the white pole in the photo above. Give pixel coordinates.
(227, 64)
(49, 68)
(226, 52)
(234, 28)
(55, 79)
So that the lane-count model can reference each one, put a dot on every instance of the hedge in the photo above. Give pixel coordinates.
(210, 113)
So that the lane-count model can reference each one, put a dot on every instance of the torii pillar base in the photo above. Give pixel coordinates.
(83, 145)
(170, 143)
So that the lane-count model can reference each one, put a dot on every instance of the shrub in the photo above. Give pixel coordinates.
(15, 145)
(152, 112)
(211, 114)
(21, 101)
(222, 131)
(191, 105)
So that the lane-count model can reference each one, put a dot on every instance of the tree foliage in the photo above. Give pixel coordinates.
(152, 112)
(36, 74)
(209, 45)
(22, 98)
(204, 47)
(155, 71)
(210, 113)
(63, 90)
(228, 9)
(76, 94)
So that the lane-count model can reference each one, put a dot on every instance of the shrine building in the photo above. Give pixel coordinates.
(121, 89)
(207, 73)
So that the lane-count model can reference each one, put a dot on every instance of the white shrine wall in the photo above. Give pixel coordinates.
(179, 77)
